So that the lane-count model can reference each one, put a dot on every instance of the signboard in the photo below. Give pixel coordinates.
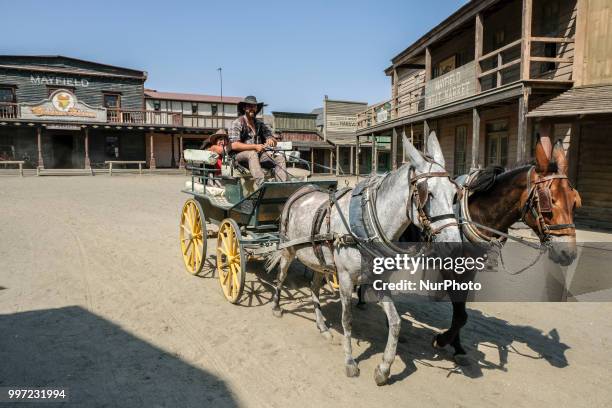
(341, 123)
(63, 105)
(63, 127)
(453, 86)
(58, 81)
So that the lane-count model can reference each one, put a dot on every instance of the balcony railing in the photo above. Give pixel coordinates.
(141, 117)
(9, 110)
(497, 68)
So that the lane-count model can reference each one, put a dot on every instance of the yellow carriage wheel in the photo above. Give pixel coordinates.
(231, 261)
(192, 233)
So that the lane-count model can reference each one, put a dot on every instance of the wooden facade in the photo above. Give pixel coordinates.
(108, 115)
(498, 73)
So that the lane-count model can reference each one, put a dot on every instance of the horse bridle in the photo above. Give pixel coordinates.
(420, 195)
(539, 201)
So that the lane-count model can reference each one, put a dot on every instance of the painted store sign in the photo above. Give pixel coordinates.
(63, 105)
(58, 81)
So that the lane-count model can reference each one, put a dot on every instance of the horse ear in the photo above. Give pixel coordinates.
(412, 154)
(558, 156)
(542, 159)
(434, 149)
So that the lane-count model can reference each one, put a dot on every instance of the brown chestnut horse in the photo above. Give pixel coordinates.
(541, 196)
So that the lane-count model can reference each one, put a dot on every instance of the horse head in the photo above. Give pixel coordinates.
(550, 201)
(432, 192)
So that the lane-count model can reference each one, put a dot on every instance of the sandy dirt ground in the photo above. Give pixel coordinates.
(94, 297)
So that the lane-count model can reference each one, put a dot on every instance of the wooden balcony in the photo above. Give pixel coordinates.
(12, 111)
(9, 111)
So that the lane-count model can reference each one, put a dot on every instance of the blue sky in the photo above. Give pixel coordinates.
(287, 53)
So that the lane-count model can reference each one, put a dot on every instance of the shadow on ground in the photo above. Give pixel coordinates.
(101, 364)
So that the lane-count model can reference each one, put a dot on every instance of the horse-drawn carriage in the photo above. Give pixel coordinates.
(246, 215)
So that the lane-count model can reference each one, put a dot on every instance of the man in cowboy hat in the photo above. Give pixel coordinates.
(250, 136)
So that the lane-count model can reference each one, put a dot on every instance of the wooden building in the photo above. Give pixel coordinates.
(301, 130)
(494, 75)
(61, 112)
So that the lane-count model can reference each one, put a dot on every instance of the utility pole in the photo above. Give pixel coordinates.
(221, 85)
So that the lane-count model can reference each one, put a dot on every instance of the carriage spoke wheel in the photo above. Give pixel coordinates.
(193, 236)
(231, 261)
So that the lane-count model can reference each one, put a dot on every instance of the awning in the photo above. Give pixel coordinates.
(587, 100)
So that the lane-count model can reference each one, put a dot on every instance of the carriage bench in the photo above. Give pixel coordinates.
(111, 162)
(19, 162)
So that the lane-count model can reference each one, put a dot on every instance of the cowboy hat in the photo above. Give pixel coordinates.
(214, 137)
(249, 100)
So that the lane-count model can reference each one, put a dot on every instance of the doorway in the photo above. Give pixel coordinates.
(63, 151)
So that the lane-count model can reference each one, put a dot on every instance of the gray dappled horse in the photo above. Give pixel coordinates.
(396, 210)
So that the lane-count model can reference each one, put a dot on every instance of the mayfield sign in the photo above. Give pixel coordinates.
(63, 105)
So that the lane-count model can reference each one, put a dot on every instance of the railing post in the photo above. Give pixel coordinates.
(87, 161)
(181, 156)
(478, 49)
(394, 150)
(475, 139)
(526, 35)
(427, 64)
(357, 156)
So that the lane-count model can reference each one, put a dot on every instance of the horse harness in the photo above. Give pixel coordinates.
(364, 229)
(539, 201)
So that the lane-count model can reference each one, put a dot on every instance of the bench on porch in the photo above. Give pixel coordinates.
(18, 162)
(124, 162)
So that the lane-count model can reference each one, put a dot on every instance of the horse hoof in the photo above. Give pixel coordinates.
(379, 377)
(462, 359)
(277, 312)
(327, 335)
(434, 342)
(352, 370)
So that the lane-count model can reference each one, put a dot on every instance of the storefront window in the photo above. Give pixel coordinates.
(497, 143)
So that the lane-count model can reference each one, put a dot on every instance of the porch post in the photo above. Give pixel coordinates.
(394, 150)
(357, 157)
(475, 139)
(337, 160)
(574, 152)
(425, 134)
(312, 169)
(427, 64)
(182, 158)
(351, 164)
(526, 35)
(523, 128)
(41, 164)
(374, 155)
(152, 164)
(403, 140)
(478, 48)
(87, 161)
(172, 151)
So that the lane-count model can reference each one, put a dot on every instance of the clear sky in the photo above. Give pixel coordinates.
(287, 53)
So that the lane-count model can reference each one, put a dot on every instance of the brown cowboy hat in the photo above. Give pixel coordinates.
(249, 100)
(214, 137)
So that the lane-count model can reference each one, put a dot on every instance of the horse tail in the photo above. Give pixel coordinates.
(273, 259)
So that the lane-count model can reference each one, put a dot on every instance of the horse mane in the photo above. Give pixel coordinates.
(489, 176)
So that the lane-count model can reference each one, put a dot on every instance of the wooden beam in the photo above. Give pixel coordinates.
(41, 163)
(351, 163)
(574, 153)
(478, 48)
(526, 36)
(500, 64)
(475, 139)
(403, 140)
(579, 47)
(499, 67)
(560, 40)
(152, 164)
(374, 155)
(394, 150)
(181, 154)
(425, 134)
(501, 49)
(551, 59)
(337, 160)
(357, 148)
(86, 143)
(427, 64)
(521, 143)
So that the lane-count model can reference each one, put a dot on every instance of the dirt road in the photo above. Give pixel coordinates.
(94, 297)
